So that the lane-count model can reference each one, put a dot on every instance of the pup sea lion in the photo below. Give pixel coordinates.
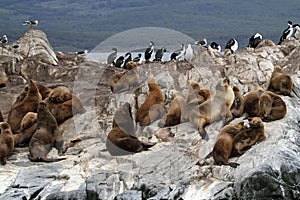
(251, 102)
(223, 147)
(153, 108)
(173, 116)
(46, 136)
(121, 139)
(20, 108)
(124, 80)
(213, 109)
(27, 128)
(237, 108)
(272, 107)
(60, 94)
(280, 83)
(249, 136)
(6, 142)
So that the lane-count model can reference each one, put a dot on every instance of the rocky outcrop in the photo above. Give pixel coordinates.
(169, 170)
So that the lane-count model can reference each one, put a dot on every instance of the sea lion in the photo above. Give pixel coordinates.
(60, 94)
(173, 116)
(251, 102)
(153, 108)
(124, 80)
(249, 136)
(121, 140)
(46, 136)
(6, 142)
(164, 134)
(223, 147)
(196, 94)
(20, 108)
(27, 128)
(280, 83)
(213, 109)
(43, 90)
(237, 108)
(28, 120)
(272, 107)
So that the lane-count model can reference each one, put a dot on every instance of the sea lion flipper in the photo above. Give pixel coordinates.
(209, 155)
(146, 146)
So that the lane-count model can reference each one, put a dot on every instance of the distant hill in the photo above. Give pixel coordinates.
(74, 25)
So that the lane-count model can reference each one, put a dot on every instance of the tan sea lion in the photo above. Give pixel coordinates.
(20, 108)
(173, 116)
(213, 109)
(60, 94)
(272, 107)
(121, 140)
(6, 142)
(249, 136)
(124, 80)
(224, 144)
(280, 83)
(46, 136)
(237, 108)
(153, 108)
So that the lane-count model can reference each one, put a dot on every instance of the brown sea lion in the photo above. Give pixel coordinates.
(121, 140)
(60, 94)
(20, 108)
(153, 108)
(43, 90)
(124, 80)
(280, 83)
(213, 109)
(28, 120)
(46, 136)
(173, 116)
(251, 102)
(272, 107)
(237, 108)
(6, 142)
(223, 147)
(249, 136)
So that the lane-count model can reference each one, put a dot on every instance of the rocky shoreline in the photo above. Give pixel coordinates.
(170, 170)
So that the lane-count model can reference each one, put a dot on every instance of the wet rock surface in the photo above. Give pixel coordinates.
(169, 170)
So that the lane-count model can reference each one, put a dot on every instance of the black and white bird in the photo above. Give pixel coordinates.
(287, 33)
(138, 58)
(3, 40)
(159, 54)
(201, 42)
(216, 46)
(254, 40)
(82, 53)
(296, 31)
(149, 51)
(119, 62)
(127, 59)
(112, 57)
(31, 23)
(189, 53)
(232, 45)
(178, 54)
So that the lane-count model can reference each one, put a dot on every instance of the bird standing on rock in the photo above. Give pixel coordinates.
(296, 31)
(176, 55)
(232, 45)
(112, 57)
(149, 51)
(216, 46)
(159, 54)
(3, 40)
(189, 53)
(138, 59)
(287, 33)
(254, 40)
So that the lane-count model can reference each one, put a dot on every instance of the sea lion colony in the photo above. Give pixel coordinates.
(202, 106)
(34, 119)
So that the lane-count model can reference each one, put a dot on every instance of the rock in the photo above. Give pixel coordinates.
(174, 169)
